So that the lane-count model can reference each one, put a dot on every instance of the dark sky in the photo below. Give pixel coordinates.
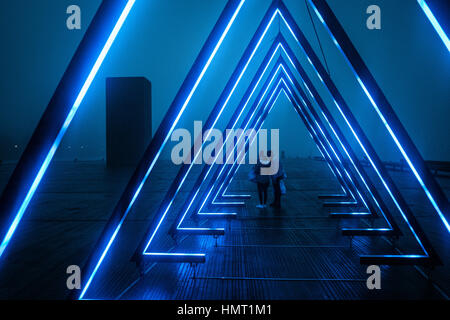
(161, 39)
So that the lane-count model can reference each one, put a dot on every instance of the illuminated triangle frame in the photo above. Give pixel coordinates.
(179, 257)
(314, 128)
(384, 110)
(97, 42)
(349, 156)
(435, 23)
(279, 8)
(279, 44)
(324, 145)
(162, 135)
(185, 169)
(58, 115)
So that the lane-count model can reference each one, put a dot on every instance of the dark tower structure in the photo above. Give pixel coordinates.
(128, 120)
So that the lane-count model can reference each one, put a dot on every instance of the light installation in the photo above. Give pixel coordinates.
(185, 169)
(401, 259)
(384, 110)
(252, 112)
(435, 23)
(332, 152)
(278, 8)
(258, 123)
(59, 114)
(328, 141)
(97, 42)
(370, 188)
(162, 135)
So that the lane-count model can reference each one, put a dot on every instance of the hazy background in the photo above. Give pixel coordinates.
(161, 39)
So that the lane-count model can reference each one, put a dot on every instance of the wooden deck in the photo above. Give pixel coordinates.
(297, 252)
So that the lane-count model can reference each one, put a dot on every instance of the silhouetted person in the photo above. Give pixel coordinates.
(262, 180)
(277, 178)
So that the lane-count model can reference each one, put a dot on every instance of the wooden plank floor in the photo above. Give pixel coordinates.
(293, 253)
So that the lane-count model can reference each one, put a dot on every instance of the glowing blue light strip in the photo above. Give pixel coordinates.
(235, 85)
(435, 23)
(194, 88)
(262, 97)
(221, 150)
(278, 12)
(392, 196)
(333, 129)
(354, 133)
(173, 254)
(264, 116)
(242, 134)
(215, 121)
(238, 165)
(388, 127)
(66, 124)
(229, 172)
(324, 135)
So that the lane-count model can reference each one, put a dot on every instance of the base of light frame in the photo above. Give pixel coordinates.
(367, 232)
(200, 232)
(396, 260)
(174, 258)
(334, 197)
(344, 204)
(351, 215)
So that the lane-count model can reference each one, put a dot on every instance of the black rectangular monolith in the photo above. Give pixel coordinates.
(128, 120)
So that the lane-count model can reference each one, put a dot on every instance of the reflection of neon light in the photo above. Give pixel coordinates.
(435, 23)
(383, 119)
(66, 124)
(216, 47)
